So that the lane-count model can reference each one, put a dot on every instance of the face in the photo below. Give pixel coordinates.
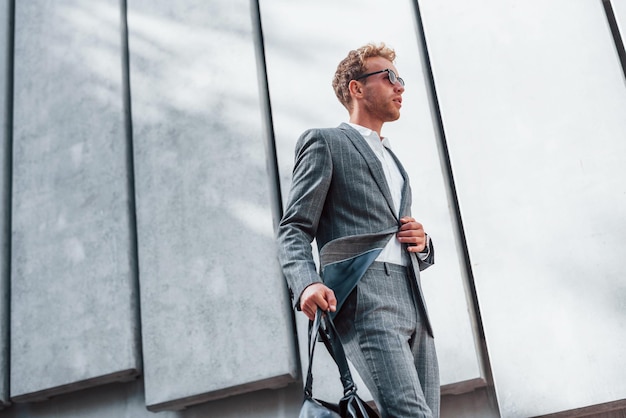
(381, 99)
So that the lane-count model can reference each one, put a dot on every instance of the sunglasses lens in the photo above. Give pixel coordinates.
(393, 78)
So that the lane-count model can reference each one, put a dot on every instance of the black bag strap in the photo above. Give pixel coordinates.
(314, 328)
(322, 326)
(331, 340)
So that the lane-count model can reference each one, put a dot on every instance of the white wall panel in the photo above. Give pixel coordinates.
(533, 102)
(215, 315)
(73, 286)
(304, 42)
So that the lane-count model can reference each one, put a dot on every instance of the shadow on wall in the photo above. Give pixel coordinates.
(205, 238)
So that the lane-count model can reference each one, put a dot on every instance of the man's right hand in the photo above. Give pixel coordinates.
(317, 295)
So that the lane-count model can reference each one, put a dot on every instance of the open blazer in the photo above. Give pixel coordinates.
(340, 197)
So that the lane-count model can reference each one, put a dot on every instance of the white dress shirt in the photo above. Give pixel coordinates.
(392, 253)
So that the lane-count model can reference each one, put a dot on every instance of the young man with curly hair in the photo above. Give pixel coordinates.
(351, 193)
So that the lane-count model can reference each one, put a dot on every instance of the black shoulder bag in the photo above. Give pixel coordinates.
(350, 405)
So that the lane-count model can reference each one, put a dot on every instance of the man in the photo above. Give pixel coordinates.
(351, 193)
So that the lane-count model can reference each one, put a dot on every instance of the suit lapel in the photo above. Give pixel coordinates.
(406, 190)
(373, 163)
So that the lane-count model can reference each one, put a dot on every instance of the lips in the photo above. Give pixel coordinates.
(398, 100)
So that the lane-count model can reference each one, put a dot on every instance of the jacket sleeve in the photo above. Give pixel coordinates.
(311, 180)
(427, 258)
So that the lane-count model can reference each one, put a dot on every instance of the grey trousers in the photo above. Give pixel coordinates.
(384, 337)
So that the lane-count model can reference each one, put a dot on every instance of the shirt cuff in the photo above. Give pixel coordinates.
(423, 255)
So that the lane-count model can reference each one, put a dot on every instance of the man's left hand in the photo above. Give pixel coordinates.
(412, 233)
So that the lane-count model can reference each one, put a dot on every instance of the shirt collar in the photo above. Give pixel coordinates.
(371, 136)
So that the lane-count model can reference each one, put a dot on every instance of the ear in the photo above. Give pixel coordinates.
(355, 88)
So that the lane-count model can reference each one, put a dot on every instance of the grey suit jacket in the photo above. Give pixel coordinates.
(340, 197)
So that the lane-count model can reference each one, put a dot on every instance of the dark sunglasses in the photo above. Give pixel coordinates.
(393, 78)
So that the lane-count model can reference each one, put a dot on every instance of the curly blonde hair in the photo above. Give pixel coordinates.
(353, 66)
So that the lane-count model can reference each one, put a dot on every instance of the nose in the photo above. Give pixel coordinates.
(398, 87)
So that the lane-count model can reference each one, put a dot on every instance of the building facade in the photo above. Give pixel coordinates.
(147, 152)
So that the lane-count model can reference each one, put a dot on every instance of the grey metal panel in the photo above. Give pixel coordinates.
(533, 103)
(127, 401)
(6, 67)
(475, 404)
(304, 42)
(216, 320)
(73, 307)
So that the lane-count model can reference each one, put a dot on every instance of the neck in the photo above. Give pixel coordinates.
(375, 126)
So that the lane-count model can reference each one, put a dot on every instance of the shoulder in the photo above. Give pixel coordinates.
(322, 133)
(330, 136)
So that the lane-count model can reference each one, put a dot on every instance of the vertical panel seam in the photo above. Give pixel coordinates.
(270, 141)
(617, 37)
(266, 108)
(130, 167)
(7, 198)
